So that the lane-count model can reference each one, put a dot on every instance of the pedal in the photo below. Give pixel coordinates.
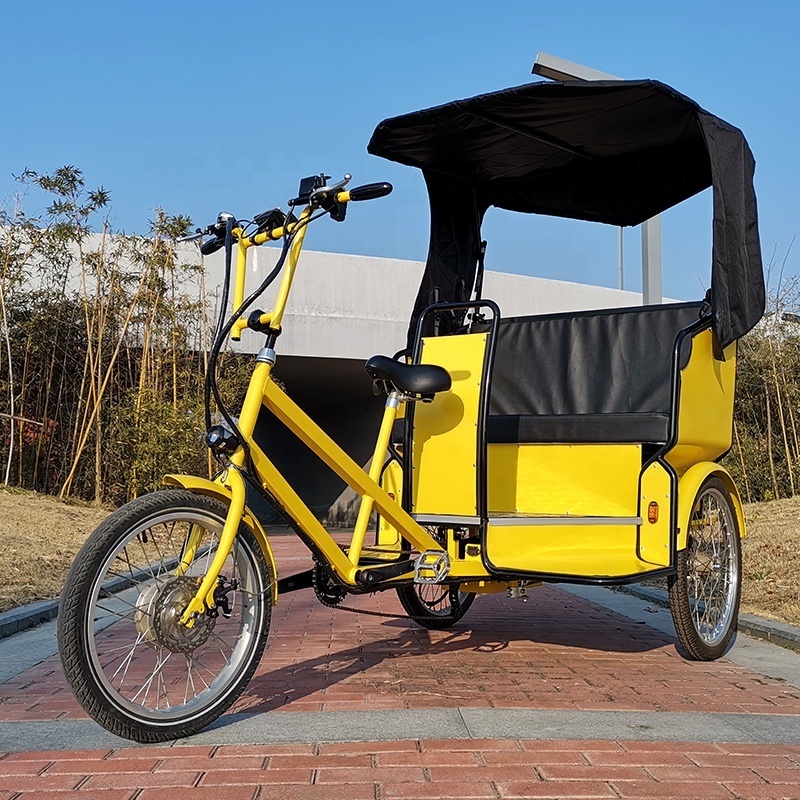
(431, 566)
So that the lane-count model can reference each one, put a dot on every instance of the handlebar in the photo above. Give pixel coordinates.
(369, 191)
(212, 245)
(325, 197)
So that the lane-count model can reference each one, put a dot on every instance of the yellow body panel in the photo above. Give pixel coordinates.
(221, 493)
(705, 410)
(654, 537)
(577, 480)
(445, 431)
(598, 480)
(580, 550)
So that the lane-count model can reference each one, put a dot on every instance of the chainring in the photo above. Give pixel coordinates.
(328, 592)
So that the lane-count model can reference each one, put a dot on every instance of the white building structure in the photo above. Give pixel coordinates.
(346, 306)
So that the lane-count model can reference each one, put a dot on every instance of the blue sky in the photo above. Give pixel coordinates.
(202, 106)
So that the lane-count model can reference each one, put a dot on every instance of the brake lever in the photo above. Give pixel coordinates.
(330, 189)
(198, 234)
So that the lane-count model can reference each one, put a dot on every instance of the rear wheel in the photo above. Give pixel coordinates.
(704, 595)
(131, 664)
(434, 605)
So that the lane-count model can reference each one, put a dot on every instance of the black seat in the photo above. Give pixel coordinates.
(414, 379)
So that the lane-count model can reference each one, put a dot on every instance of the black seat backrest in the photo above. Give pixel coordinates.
(591, 362)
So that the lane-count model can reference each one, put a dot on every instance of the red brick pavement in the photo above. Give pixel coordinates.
(556, 651)
(410, 770)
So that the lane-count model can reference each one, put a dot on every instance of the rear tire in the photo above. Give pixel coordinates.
(705, 593)
(435, 606)
(131, 665)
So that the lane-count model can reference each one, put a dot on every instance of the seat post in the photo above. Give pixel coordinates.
(381, 446)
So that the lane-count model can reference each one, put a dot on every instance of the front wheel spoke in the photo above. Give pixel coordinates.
(212, 674)
(189, 681)
(149, 682)
(127, 660)
(195, 663)
(110, 612)
(162, 564)
(163, 693)
(221, 641)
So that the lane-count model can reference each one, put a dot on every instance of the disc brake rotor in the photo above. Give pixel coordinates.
(158, 617)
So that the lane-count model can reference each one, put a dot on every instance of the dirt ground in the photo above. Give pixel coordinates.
(40, 535)
(771, 560)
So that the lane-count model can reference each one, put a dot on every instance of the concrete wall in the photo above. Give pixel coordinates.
(345, 306)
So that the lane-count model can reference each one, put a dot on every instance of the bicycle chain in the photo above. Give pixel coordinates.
(318, 574)
(320, 592)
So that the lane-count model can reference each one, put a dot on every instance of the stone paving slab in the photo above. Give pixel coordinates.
(409, 724)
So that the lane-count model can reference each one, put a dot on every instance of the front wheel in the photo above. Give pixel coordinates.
(704, 595)
(132, 666)
(434, 605)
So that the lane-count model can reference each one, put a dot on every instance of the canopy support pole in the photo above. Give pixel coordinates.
(651, 262)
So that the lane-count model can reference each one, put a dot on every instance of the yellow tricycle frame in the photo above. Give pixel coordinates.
(231, 485)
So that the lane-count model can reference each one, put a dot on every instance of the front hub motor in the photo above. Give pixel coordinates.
(158, 617)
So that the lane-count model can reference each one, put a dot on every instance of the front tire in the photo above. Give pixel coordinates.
(435, 606)
(132, 666)
(705, 593)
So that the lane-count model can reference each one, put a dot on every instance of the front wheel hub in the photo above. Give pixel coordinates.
(158, 617)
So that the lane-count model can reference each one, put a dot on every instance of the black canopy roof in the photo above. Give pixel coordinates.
(617, 152)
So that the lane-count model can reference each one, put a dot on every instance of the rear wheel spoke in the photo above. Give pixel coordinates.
(704, 596)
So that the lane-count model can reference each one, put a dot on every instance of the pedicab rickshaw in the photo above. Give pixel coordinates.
(577, 448)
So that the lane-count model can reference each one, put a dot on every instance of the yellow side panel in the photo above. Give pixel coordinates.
(705, 413)
(445, 431)
(602, 551)
(594, 480)
(654, 536)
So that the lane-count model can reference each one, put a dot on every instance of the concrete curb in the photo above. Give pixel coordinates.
(454, 724)
(19, 619)
(779, 633)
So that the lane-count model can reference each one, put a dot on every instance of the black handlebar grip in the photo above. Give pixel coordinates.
(212, 245)
(370, 191)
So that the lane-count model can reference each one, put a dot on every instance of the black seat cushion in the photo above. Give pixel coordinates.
(424, 379)
(589, 428)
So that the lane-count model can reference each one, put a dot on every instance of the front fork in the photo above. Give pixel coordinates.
(203, 599)
(233, 481)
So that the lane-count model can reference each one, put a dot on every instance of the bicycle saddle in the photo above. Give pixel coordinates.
(412, 379)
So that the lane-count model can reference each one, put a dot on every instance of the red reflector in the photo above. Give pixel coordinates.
(391, 494)
(652, 512)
